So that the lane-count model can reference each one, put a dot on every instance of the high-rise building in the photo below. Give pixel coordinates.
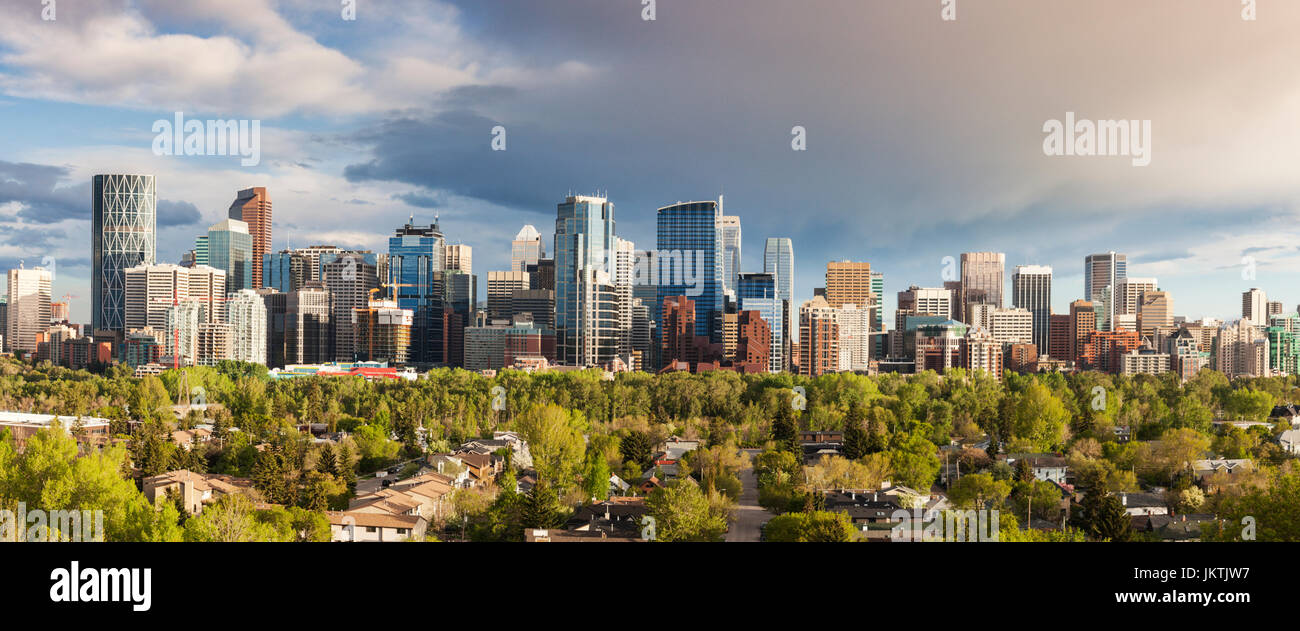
(854, 324)
(29, 307)
(277, 307)
(253, 207)
(1012, 326)
(307, 325)
(1128, 295)
(1283, 350)
(778, 259)
(124, 223)
(729, 227)
(1275, 307)
(500, 292)
(586, 302)
(1186, 356)
(1155, 310)
(1031, 288)
(182, 333)
(1083, 322)
(691, 244)
(1242, 350)
(383, 332)
(878, 314)
(819, 338)
(539, 304)
(287, 270)
(458, 257)
(230, 249)
(152, 289)
(1101, 271)
(758, 292)
(526, 249)
(246, 315)
(1058, 337)
(1254, 306)
(982, 277)
(680, 342)
(980, 351)
(848, 283)
(938, 346)
(753, 342)
(415, 255)
(349, 278)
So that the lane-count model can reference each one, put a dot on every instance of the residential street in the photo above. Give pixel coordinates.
(748, 517)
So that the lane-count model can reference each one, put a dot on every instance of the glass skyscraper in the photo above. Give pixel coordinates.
(230, 248)
(586, 303)
(416, 258)
(757, 292)
(690, 251)
(123, 235)
(778, 258)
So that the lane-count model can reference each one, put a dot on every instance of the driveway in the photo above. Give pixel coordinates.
(748, 517)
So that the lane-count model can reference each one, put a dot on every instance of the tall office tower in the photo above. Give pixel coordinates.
(854, 323)
(539, 304)
(1155, 310)
(415, 255)
(253, 207)
(29, 307)
(1242, 351)
(1101, 271)
(586, 303)
(643, 333)
(459, 294)
(123, 234)
(1012, 326)
(848, 283)
(778, 259)
(277, 308)
(982, 276)
(689, 239)
(729, 226)
(383, 332)
(878, 314)
(1103, 308)
(1186, 356)
(1083, 322)
(1283, 350)
(349, 278)
(1254, 306)
(758, 292)
(152, 289)
(1058, 337)
(501, 289)
(526, 249)
(1274, 308)
(819, 338)
(624, 279)
(926, 301)
(459, 257)
(182, 333)
(246, 315)
(4, 324)
(1128, 295)
(542, 275)
(1031, 288)
(958, 307)
(230, 248)
(307, 325)
(980, 315)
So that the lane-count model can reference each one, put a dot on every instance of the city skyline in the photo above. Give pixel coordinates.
(333, 144)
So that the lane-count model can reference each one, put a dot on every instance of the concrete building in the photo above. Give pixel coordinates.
(1012, 326)
(308, 325)
(252, 206)
(1031, 289)
(1254, 306)
(500, 293)
(819, 346)
(527, 249)
(246, 313)
(29, 307)
(983, 277)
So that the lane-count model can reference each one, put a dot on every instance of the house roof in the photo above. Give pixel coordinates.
(373, 520)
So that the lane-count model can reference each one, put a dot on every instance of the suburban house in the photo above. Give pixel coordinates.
(187, 438)
(86, 429)
(195, 489)
(520, 456)
(1046, 467)
(863, 507)
(617, 516)
(362, 526)
(1143, 504)
(1290, 441)
(1230, 466)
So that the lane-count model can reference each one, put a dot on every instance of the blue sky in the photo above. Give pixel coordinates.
(924, 136)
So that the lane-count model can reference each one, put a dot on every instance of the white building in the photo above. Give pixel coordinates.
(29, 307)
(246, 313)
(1012, 326)
(855, 337)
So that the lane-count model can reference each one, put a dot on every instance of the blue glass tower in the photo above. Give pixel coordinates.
(690, 262)
(757, 292)
(230, 248)
(586, 305)
(415, 259)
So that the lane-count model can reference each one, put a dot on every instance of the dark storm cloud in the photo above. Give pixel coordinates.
(36, 187)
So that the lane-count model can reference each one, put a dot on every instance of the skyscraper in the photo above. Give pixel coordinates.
(1031, 288)
(1128, 294)
(1102, 270)
(123, 235)
(501, 289)
(819, 338)
(307, 325)
(29, 307)
(415, 254)
(253, 207)
(526, 249)
(230, 249)
(246, 315)
(1083, 322)
(758, 292)
(348, 277)
(778, 259)
(152, 289)
(1254, 306)
(1156, 310)
(982, 277)
(586, 302)
(848, 283)
(691, 246)
(729, 226)
(459, 257)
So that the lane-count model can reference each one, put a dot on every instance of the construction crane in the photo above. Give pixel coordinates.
(393, 285)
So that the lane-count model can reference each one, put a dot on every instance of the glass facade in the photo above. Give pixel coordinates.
(123, 235)
(416, 258)
(757, 292)
(586, 330)
(690, 251)
(230, 248)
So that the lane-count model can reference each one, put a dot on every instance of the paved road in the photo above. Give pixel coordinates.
(748, 517)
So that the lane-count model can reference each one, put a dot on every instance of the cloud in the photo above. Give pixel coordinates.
(38, 191)
(177, 213)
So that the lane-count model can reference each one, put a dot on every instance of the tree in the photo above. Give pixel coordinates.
(229, 519)
(635, 447)
(855, 436)
(541, 507)
(1111, 522)
(915, 463)
(815, 527)
(327, 463)
(979, 491)
(683, 512)
(555, 440)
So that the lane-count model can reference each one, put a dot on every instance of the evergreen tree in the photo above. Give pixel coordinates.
(785, 431)
(541, 507)
(855, 437)
(635, 447)
(269, 476)
(327, 462)
(1112, 521)
(1024, 472)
